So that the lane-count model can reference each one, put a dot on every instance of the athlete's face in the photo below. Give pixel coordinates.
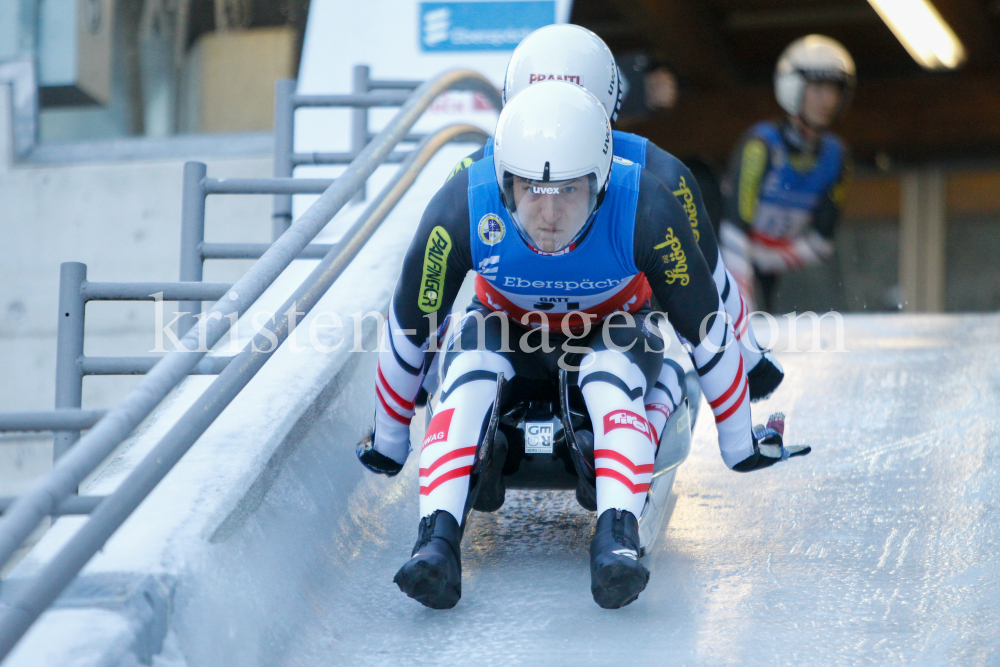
(552, 213)
(820, 103)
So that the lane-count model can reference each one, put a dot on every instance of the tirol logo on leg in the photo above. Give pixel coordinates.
(662, 408)
(437, 430)
(627, 419)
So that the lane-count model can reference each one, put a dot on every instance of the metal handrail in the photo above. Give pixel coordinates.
(50, 420)
(363, 98)
(68, 472)
(71, 505)
(257, 250)
(152, 291)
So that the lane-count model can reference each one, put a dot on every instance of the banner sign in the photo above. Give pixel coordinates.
(481, 26)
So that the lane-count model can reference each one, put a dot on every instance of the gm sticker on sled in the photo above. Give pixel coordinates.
(481, 26)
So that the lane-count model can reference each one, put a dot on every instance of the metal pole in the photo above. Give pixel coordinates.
(116, 508)
(359, 118)
(922, 231)
(192, 238)
(49, 420)
(284, 147)
(69, 348)
(24, 515)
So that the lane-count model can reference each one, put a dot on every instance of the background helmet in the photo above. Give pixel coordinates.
(565, 52)
(553, 131)
(811, 58)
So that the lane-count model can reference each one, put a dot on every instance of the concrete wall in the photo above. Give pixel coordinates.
(115, 207)
(213, 567)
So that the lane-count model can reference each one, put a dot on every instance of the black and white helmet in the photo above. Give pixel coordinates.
(550, 133)
(565, 52)
(812, 58)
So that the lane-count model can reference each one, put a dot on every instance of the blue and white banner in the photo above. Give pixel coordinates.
(497, 25)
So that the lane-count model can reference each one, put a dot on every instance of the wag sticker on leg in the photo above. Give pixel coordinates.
(449, 447)
(444, 468)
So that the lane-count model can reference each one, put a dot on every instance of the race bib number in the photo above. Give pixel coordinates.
(780, 221)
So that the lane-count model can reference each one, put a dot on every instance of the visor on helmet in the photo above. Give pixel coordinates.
(838, 77)
(551, 216)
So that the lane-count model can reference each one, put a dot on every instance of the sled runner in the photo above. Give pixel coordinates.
(538, 436)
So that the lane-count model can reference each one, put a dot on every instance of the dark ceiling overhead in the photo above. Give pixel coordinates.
(723, 54)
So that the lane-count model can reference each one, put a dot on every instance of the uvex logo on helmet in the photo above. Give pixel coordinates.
(572, 78)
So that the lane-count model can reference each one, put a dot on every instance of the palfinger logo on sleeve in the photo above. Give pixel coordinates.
(437, 430)
(435, 267)
(627, 419)
(464, 163)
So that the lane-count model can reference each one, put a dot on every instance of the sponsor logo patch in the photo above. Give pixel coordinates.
(662, 408)
(621, 160)
(464, 163)
(572, 78)
(437, 430)
(628, 553)
(562, 285)
(627, 419)
(686, 198)
(488, 267)
(435, 266)
(491, 229)
(674, 259)
(538, 437)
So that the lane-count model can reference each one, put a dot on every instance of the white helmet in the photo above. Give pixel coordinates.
(809, 59)
(565, 52)
(549, 134)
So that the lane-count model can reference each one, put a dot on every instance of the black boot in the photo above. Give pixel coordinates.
(616, 575)
(433, 576)
(490, 495)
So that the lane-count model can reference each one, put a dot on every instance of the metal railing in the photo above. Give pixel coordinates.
(361, 99)
(55, 493)
(366, 93)
(72, 365)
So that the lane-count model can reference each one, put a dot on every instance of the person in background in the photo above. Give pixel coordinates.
(784, 190)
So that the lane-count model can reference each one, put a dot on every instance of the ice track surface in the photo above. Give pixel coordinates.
(880, 548)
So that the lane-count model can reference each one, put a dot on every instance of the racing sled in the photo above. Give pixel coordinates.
(539, 436)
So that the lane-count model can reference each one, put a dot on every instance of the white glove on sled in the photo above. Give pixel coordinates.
(769, 446)
(770, 440)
